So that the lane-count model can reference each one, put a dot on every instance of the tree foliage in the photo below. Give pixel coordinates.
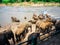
(35, 1)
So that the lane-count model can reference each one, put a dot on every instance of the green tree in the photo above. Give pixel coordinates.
(56, 0)
(5, 1)
(47, 0)
(44, 0)
(24, 0)
(12, 1)
(35, 1)
(0, 1)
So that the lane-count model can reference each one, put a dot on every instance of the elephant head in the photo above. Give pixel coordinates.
(14, 19)
(41, 17)
(35, 17)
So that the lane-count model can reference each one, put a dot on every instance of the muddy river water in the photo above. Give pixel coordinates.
(6, 12)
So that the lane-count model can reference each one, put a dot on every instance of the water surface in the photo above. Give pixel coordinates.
(6, 12)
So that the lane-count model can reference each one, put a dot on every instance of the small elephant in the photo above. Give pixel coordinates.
(21, 31)
(9, 34)
(5, 36)
(3, 39)
(14, 19)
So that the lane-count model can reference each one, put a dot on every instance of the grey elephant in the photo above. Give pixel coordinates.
(5, 36)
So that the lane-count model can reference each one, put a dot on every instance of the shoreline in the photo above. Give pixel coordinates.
(31, 4)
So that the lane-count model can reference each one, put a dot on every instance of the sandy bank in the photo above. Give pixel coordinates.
(31, 4)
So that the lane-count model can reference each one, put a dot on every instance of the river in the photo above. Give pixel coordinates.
(6, 12)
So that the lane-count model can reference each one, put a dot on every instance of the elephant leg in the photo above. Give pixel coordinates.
(53, 30)
(13, 39)
(17, 38)
(20, 36)
(29, 43)
(41, 31)
(24, 34)
(47, 30)
(37, 29)
(7, 42)
(26, 31)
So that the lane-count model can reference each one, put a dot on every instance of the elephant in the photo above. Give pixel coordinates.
(41, 17)
(0, 26)
(49, 18)
(53, 21)
(25, 17)
(21, 31)
(3, 39)
(57, 24)
(5, 36)
(45, 26)
(32, 21)
(35, 17)
(9, 34)
(14, 19)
